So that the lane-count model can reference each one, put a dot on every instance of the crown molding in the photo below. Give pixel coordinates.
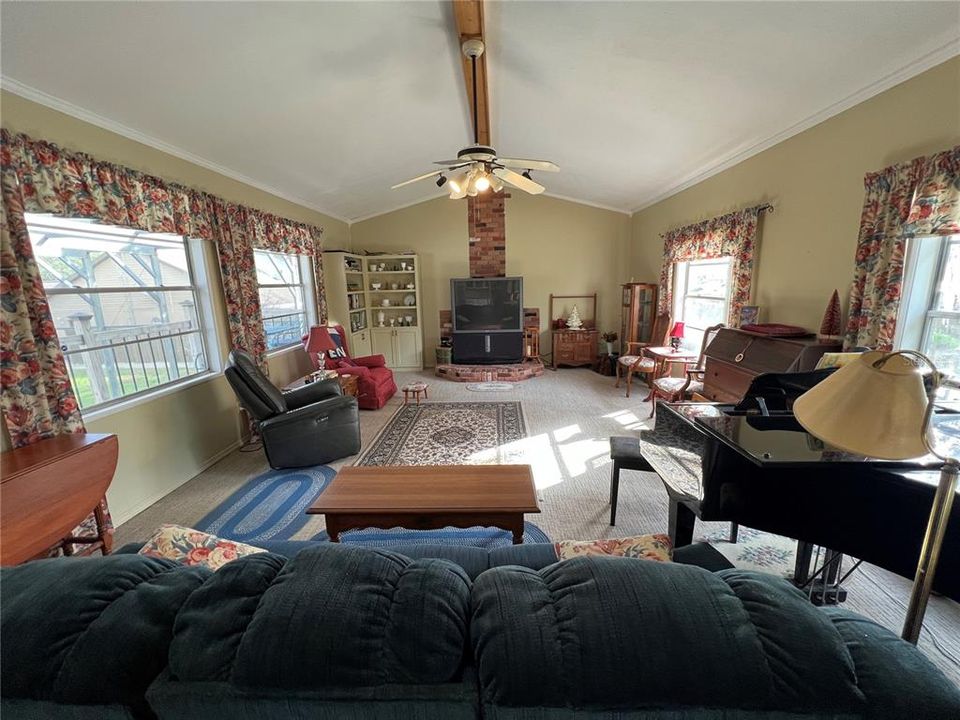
(589, 203)
(67, 108)
(912, 69)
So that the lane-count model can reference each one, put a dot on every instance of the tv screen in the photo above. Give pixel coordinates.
(487, 304)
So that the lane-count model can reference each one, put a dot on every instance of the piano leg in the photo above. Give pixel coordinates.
(734, 532)
(801, 569)
(681, 522)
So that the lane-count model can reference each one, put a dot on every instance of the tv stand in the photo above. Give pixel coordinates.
(488, 348)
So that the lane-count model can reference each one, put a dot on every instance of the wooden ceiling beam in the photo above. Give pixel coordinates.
(469, 17)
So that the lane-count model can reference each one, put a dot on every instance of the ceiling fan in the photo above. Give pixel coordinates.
(477, 168)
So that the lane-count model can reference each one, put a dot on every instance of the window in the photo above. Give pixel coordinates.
(701, 297)
(930, 308)
(125, 306)
(286, 301)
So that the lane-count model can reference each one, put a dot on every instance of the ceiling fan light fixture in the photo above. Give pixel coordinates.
(482, 183)
(496, 183)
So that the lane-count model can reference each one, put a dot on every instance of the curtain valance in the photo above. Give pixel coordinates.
(732, 235)
(914, 199)
(74, 184)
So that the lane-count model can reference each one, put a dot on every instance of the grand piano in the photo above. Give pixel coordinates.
(751, 463)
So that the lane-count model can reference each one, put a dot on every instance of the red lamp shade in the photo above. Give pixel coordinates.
(677, 330)
(319, 340)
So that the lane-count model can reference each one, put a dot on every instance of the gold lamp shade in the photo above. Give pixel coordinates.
(870, 408)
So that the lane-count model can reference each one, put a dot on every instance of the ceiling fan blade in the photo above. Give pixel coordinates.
(519, 181)
(453, 164)
(416, 179)
(542, 165)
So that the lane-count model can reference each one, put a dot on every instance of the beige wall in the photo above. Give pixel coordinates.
(167, 440)
(557, 246)
(815, 182)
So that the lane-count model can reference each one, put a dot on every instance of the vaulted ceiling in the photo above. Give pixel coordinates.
(329, 104)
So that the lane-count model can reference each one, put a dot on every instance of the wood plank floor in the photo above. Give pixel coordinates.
(570, 415)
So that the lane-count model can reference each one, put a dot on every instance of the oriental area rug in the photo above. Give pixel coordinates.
(450, 433)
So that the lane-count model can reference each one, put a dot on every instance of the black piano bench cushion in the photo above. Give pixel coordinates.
(603, 634)
(332, 616)
(90, 634)
(626, 451)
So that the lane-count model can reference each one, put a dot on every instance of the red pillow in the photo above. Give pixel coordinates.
(346, 362)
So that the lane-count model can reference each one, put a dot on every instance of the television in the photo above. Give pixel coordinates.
(483, 305)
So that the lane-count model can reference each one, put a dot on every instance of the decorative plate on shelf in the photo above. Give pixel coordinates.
(410, 300)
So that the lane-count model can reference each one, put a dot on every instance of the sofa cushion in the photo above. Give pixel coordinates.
(581, 633)
(90, 631)
(333, 615)
(194, 547)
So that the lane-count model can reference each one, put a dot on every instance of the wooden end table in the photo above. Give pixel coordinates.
(428, 497)
(349, 384)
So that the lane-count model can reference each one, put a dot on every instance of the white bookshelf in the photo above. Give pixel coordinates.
(356, 289)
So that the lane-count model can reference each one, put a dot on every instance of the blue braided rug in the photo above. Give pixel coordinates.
(483, 537)
(270, 506)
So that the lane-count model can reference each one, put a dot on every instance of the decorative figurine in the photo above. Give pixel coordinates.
(574, 322)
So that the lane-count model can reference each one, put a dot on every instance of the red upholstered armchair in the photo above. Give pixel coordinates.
(375, 383)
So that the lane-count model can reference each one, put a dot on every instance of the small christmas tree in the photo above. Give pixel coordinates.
(574, 322)
(830, 327)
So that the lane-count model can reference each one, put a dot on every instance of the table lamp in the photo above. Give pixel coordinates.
(879, 406)
(320, 342)
(676, 335)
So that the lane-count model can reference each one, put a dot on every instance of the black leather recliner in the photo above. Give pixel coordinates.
(311, 425)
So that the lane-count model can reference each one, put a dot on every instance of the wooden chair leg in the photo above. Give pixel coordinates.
(629, 380)
(617, 384)
(653, 402)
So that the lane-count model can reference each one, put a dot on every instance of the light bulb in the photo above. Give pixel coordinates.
(455, 187)
(482, 183)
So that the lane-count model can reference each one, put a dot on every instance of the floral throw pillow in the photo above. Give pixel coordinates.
(647, 547)
(193, 547)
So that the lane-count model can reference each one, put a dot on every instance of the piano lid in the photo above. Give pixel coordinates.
(779, 440)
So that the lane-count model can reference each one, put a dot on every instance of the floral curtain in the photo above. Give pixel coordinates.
(732, 235)
(918, 198)
(37, 398)
(52, 180)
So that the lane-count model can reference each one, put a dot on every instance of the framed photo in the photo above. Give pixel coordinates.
(749, 315)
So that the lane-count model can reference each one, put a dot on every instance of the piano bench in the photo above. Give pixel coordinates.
(625, 453)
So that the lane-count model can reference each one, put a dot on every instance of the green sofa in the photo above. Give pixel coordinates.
(344, 632)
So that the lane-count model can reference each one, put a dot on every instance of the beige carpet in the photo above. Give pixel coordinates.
(570, 414)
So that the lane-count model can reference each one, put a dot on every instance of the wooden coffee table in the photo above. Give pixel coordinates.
(427, 497)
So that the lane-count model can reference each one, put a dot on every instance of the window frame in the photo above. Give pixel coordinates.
(307, 286)
(924, 265)
(680, 282)
(203, 311)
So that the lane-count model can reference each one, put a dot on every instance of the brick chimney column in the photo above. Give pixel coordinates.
(486, 224)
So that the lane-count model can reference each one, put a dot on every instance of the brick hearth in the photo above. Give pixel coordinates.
(490, 373)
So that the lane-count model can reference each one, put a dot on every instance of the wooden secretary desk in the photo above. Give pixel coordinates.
(638, 309)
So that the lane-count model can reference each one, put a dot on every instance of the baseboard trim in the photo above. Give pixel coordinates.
(119, 518)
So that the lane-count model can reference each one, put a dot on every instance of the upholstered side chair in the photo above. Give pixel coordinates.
(674, 389)
(635, 362)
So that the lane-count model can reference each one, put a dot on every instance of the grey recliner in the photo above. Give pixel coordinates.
(311, 425)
